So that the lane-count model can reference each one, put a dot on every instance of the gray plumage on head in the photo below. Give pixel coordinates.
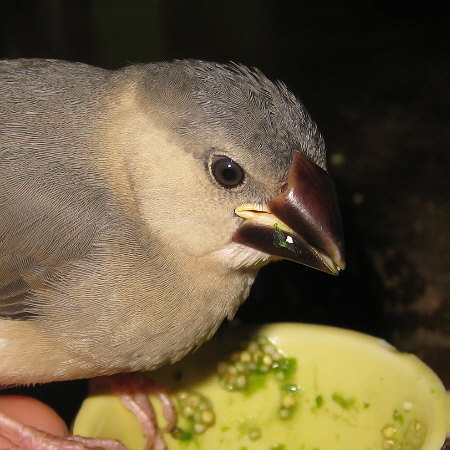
(237, 102)
(115, 238)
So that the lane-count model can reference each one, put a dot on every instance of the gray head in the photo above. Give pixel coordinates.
(200, 112)
(234, 103)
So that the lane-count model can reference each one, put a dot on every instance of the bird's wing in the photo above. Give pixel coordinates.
(41, 231)
(48, 200)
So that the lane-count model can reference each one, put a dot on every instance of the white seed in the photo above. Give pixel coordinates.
(269, 349)
(183, 394)
(254, 434)
(277, 356)
(408, 406)
(199, 428)
(241, 381)
(208, 417)
(288, 402)
(246, 356)
(194, 401)
(389, 431)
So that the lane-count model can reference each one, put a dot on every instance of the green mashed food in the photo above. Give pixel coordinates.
(289, 386)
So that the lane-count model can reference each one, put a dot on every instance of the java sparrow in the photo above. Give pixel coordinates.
(137, 206)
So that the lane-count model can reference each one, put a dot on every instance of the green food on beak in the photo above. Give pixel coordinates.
(281, 240)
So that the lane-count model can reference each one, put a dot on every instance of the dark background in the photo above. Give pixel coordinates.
(374, 75)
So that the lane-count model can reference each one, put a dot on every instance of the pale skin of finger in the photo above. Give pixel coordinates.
(31, 424)
(32, 412)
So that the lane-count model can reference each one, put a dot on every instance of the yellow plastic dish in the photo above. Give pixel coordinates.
(289, 386)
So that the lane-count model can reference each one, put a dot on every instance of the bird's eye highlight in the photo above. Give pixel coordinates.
(227, 173)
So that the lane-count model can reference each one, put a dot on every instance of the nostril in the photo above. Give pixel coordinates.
(284, 187)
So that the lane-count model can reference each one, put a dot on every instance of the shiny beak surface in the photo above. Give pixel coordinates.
(302, 223)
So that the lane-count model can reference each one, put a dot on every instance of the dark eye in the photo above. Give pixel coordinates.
(227, 173)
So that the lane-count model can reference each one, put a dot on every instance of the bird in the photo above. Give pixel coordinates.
(138, 204)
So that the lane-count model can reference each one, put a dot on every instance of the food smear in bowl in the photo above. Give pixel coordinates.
(289, 386)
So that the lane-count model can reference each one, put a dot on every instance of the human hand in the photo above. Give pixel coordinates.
(30, 411)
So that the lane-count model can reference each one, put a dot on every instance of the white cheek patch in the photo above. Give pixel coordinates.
(289, 240)
(237, 256)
